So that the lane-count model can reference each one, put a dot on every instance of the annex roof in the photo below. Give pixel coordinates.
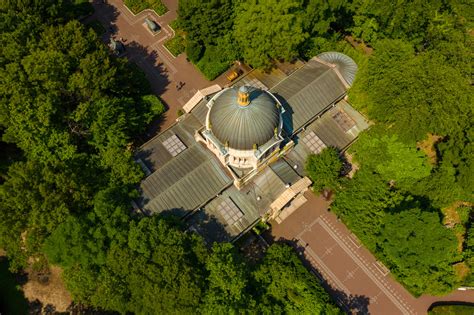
(252, 202)
(183, 182)
(308, 92)
(331, 130)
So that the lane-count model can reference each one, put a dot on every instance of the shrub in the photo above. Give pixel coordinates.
(154, 105)
(324, 169)
(136, 6)
(175, 45)
(194, 51)
(212, 63)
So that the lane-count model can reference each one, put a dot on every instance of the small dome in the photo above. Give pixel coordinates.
(243, 124)
(344, 64)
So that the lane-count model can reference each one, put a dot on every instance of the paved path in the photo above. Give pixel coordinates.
(355, 278)
(163, 70)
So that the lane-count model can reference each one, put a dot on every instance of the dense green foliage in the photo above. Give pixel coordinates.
(72, 111)
(419, 250)
(284, 286)
(324, 169)
(264, 34)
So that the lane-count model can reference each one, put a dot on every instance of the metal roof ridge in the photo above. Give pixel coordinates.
(291, 75)
(181, 179)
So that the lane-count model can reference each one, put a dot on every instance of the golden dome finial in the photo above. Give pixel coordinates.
(243, 99)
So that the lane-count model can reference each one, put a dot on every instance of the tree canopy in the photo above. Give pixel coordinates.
(324, 169)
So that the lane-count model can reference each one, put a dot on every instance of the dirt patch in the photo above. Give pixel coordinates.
(462, 270)
(48, 288)
(428, 146)
(453, 220)
(357, 43)
(354, 166)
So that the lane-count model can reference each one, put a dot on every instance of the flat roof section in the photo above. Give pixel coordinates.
(330, 129)
(252, 202)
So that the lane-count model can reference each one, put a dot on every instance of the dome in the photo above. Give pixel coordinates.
(243, 118)
(344, 64)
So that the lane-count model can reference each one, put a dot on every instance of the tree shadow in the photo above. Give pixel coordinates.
(208, 226)
(351, 304)
(146, 58)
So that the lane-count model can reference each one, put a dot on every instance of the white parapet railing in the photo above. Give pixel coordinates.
(200, 94)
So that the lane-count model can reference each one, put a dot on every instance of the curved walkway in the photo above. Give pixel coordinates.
(355, 278)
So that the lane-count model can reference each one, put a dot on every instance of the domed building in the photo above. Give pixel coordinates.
(243, 126)
(237, 155)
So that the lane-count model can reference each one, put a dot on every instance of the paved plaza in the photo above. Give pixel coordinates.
(355, 278)
(163, 70)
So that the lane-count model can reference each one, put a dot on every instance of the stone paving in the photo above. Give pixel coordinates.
(163, 70)
(355, 278)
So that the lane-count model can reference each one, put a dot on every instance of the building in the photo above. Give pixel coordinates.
(237, 155)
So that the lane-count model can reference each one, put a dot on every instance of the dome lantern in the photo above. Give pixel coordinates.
(243, 95)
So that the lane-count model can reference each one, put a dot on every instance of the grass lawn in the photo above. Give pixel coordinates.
(175, 45)
(136, 6)
(452, 310)
(98, 28)
(174, 25)
(12, 300)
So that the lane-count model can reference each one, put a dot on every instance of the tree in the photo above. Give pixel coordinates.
(320, 14)
(227, 282)
(206, 21)
(362, 203)
(420, 251)
(324, 169)
(284, 286)
(408, 91)
(269, 29)
(406, 20)
(395, 161)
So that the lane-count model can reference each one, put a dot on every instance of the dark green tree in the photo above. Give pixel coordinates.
(324, 169)
(269, 29)
(285, 286)
(420, 251)
(227, 282)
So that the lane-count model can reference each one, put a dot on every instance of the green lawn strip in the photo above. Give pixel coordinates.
(175, 45)
(136, 6)
(452, 310)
